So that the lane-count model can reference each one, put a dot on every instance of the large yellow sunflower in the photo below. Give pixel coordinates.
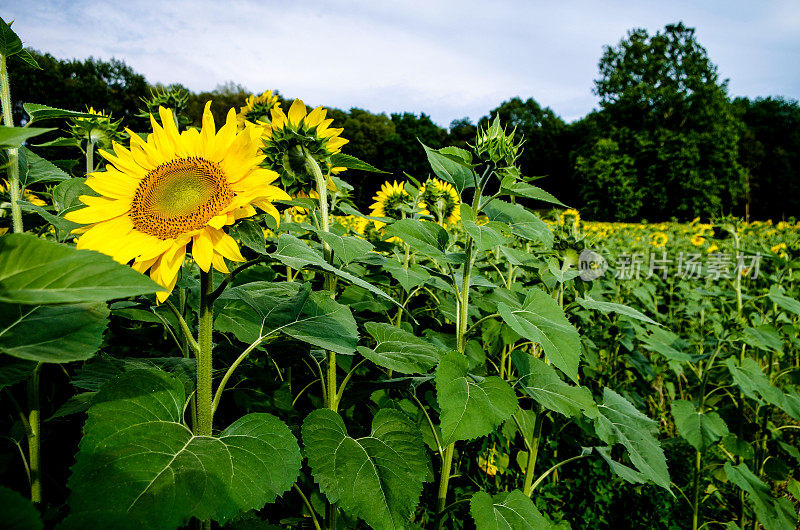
(389, 201)
(257, 108)
(174, 189)
(289, 137)
(440, 200)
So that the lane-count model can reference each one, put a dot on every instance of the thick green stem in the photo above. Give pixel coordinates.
(13, 154)
(444, 479)
(89, 156)
(533, 454)
(204, 394)
(34, 432)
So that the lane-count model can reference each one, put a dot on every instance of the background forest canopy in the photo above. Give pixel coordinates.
(667, 142)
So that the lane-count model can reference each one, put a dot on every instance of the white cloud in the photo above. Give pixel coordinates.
(447, 58)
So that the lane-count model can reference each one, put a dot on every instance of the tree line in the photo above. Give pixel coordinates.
(667, 140)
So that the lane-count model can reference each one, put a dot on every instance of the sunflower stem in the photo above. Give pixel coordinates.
(34, 431)
(204, 392)
(13, 154)
(89, 157)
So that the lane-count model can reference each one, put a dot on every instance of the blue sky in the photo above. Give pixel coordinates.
(447, 58)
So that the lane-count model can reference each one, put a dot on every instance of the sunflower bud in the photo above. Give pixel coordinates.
(98, 129)
(173, 97)
(495, 145)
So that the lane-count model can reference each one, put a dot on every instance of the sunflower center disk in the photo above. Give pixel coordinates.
(179, 196)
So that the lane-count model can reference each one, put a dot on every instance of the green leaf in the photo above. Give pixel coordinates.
(36, 271)
(13, 371)
(663, 342)
(756, 385)
(765, 337)
(377, 478)
(18, 512)
(409, 277)
(10, 43)
(486, 236)
(256, 310)
(43, 112)
(543, 384)
(541, 320)
(783, 301)
(774, 514)
(611, 307)
(295, 253)
(60, 142)
(471, 406)
(251, 235)
(153, 470)
(620, 422)
(66, 195)
(701, 429)
(399, 350)
(523, 189)
(351, 162)
(450, 167)
(14, 137)
(40, 170)
(52, 334)
(425, 237)
(26, 57)
(346, 248)
(511, 510)
(521, 222)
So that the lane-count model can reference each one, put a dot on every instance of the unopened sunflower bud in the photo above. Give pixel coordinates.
(496, 145)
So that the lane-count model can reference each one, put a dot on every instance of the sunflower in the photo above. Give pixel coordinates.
(698, 239)
(288, 138)
(389, 202)
(780, 250)
(569, 215)
(440, 200)
(659, 239)
(257, 108)
(173, 189)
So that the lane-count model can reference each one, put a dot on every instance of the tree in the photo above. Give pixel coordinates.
(769, 151)
(667, 110)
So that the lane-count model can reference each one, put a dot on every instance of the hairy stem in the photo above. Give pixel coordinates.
(204, 356)
(34, 433)
(13, 154)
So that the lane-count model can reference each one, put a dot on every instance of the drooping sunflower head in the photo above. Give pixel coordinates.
(389, 202)
(176, 189)
(258, 109)
(289, 138)
(440, 200)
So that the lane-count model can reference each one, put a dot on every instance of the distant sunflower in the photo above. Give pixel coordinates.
(698, 239)
(288, 138)
(440, 200)
(659, 239)
(173, 189)
(389, 201)
(257, 109)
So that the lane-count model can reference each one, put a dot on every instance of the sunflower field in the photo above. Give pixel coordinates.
(199, 329)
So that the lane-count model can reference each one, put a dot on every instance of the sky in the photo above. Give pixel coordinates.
(447, 58)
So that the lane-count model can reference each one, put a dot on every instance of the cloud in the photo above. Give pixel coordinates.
(450, 59)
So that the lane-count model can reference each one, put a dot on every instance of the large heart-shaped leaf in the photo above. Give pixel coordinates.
(511, 510)
(425, 237)
(541, 320)
(36, 271)
(471, 406)
(620, 422)
(611, 307)
(138, 461)
(377, 478)
(14, 137)
(451, 165)
(522, 222)
(399, 350)
(52, 334)
(256, 310)
(702, 429)
(544, 385)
